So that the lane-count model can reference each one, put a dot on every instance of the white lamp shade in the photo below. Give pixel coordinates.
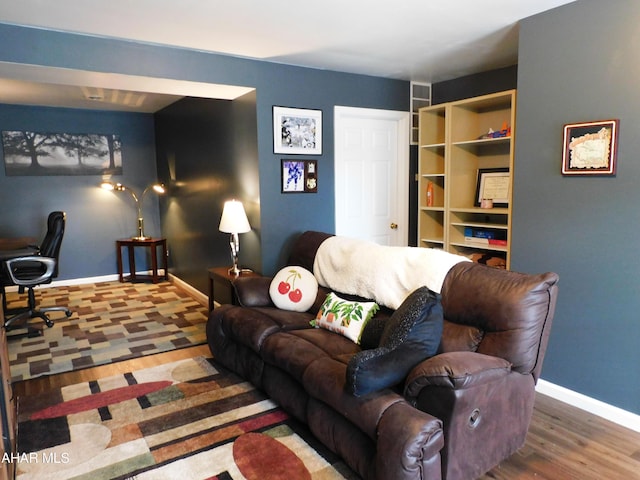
(234, 219)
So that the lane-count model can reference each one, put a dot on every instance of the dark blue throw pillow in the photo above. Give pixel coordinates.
(411, 335)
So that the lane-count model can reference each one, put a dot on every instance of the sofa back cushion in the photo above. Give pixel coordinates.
(514, 310)
(303, 251)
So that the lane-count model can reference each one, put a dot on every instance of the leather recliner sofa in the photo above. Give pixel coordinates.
(456, 415)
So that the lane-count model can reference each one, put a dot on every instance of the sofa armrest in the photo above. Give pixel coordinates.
(484, 405)
(253, 291)
(455, 370)
(409, 444)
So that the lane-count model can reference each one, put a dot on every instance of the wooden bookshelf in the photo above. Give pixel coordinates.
(454, 145)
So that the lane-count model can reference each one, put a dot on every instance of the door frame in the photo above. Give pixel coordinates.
(402, 120)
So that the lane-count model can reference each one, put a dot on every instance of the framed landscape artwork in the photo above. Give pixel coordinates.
(34, 153)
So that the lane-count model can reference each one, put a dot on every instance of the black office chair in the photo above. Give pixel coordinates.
(29, 270)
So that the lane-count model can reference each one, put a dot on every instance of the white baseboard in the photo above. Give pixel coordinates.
(197, 294)
(609, 412)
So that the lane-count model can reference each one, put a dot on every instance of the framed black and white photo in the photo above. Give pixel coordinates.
(35, 153)
(299, 176)
(297, 131)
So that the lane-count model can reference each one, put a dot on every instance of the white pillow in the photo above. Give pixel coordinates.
(293, 288)
(345, 317)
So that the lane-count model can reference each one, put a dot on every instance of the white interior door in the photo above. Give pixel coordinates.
(372, 174)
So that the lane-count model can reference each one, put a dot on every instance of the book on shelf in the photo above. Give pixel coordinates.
(486, 241)
(485, 233)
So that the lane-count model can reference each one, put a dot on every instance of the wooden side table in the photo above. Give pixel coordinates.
(221, 285)
(152, 244)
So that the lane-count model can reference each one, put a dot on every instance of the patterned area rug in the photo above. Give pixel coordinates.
(111, 321)
(188, 419)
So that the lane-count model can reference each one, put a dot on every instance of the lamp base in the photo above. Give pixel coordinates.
(140, 238)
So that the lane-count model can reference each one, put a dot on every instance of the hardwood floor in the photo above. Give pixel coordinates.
(564, 442)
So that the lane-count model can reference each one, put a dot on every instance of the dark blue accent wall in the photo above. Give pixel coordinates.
(579, 63)
(206, 155)
(482, 83)
(282, 217)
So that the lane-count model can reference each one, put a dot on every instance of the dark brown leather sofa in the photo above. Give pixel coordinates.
(457, 414)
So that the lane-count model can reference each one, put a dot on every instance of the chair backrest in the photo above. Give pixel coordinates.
(52, 241)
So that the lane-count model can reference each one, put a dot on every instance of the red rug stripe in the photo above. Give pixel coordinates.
(101, 399)
(263, 421)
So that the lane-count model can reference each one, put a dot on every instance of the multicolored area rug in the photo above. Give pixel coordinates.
(184, 420)
(111, 321)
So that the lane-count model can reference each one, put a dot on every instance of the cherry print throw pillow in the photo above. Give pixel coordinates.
(293, 288)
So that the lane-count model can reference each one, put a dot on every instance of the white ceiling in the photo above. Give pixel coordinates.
(420, 40)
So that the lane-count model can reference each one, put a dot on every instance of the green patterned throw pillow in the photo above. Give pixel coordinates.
(345, 317)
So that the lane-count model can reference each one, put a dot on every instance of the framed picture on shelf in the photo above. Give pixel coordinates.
(494, 185)
(590, 148)
(299, 176)
(297, 131)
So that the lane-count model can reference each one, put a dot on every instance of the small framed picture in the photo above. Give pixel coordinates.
(494, 186)
(299, 176)
(590, 148)
(297, 131)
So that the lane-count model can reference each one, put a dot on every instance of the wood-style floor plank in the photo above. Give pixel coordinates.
(564, 442)
(567, 443)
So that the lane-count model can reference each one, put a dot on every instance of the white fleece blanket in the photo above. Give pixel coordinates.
(378, 272)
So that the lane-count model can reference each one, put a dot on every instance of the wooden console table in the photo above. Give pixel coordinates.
(152, 244)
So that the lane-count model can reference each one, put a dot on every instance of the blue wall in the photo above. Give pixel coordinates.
(95, 217)
(282, 216)
(579, 63)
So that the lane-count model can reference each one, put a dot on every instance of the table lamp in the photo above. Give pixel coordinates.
(234, 221)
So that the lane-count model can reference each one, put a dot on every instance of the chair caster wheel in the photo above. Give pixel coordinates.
(49, 323)
(33, 333)
(68, 313)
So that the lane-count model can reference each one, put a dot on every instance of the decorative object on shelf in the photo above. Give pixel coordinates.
(158, 188)
(430, 194)
(486, 203)
(299, 176)
(505, 131)
(297, 131)
(493, 184)
(37, 153)
(234, 221)
(590, 148)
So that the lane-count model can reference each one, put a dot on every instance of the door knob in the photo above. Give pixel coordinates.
(393, 226)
